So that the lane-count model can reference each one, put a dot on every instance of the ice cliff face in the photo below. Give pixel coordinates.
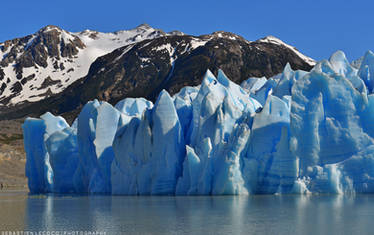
(298, 132)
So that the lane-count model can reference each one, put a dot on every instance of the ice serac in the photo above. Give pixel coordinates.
(286, 81)
(149, 151)
(297, 132)
(97, 125)
(64, 159)
(217, 138)
(269, 166)
(131, 107)
(251, 85)
(326, 121)
(183, 105)
(187, 184)
(329, 127)
(87, 154)
(52, 154)
(37, 170)
(366, 71)
(38, 167)
(168, 146)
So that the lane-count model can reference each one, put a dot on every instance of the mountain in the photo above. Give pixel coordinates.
(60, 71)
(45, 63)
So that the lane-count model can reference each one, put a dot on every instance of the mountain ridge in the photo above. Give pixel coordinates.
(140, 66)
(54, 54)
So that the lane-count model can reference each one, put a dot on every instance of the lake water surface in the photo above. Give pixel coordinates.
(290, 214)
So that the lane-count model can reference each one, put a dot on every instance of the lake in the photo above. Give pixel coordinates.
(264, 214)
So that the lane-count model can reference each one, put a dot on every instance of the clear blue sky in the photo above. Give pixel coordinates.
(317, 28)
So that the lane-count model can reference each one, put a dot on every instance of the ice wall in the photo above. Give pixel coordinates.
(298, 132)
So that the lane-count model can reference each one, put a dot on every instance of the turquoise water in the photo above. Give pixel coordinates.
(292, 214)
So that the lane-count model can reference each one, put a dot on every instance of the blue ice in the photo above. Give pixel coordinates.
(297, 132)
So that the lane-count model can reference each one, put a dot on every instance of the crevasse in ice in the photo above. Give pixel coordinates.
(298, 132)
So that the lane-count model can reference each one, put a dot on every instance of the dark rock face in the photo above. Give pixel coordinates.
(28, 78)
(170, 62)
(17, 87)
(2, 88)
(2, 74)
(144, 71)
(35, 50)
(47, 82)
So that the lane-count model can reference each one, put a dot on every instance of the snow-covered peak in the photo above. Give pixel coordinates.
(144, 26)
(50, 60)
(49, 28)
(64, 35)
(271, 39)
(176, 32)
(277, 41)
(231, 36)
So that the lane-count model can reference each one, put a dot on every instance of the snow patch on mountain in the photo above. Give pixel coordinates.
(61, 71)
(274, 40)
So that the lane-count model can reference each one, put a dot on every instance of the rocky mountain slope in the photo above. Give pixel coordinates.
(134, 63)
(45, 63)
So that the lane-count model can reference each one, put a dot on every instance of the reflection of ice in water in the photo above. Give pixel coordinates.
(238, 214)
(75, 213)
(283, 214)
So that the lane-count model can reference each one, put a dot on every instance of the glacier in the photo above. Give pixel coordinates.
(297, 132)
